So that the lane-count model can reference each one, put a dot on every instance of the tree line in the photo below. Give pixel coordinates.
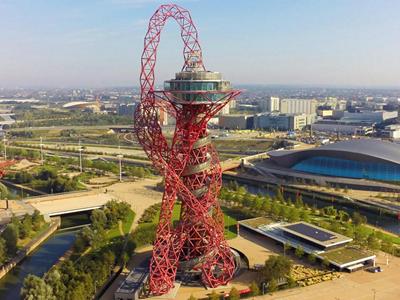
(18, 229)
(85, 272)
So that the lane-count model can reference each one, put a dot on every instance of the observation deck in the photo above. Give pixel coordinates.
(198, 87)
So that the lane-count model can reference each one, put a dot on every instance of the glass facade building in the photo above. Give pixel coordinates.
(338, 167)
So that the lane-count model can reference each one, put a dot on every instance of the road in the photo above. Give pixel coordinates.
(130, 161)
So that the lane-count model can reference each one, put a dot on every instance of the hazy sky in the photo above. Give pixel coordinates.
(64, 43)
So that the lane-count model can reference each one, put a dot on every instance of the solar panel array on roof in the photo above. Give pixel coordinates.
(311, 231)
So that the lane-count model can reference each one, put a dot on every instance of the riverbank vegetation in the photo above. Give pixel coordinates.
(96, 254)
(19, 232)
(246, 205)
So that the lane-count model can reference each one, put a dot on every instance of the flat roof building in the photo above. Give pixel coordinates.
(342, 127)
(298, 106)
(236, 121)
(317, 236)
(284, 122)
(323, 243)
(131, 287)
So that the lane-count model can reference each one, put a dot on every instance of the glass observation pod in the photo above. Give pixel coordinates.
(197, 87)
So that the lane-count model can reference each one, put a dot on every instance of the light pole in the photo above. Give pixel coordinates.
(41, 151)
(120, 156)
(80, 156)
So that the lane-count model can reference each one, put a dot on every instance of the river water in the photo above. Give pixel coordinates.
(43, 258)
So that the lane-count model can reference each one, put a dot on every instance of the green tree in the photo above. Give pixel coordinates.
(311, 258)
(266, 205)
(3, 251)
(291, 282)
(360, 235)
(272, 285)
(254, 288)
(37, 220)
(286, 248)
(10, 235)
(299, 252)
(343, 216)
(25, 227)
(54, 280)
(98, 218)
(275, 208)
(373, 242)
(294, 215)
(35, 288)
(304, 215)
(234, 294)
(299, 201)
(358, 219)
(325, 262)
(47, 173)
(330, 211)
(3, 191)
(387, 246)
(276, 267)
(279, 195)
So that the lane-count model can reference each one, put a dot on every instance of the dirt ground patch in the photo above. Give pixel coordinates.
(23, 164)
(140, 194)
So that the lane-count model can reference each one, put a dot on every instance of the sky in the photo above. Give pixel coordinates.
(98, 43)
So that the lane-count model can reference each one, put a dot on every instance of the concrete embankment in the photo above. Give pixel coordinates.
(23, 188)
(31, 246)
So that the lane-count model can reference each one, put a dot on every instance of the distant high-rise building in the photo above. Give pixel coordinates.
(298, 106)
(283, 121)
(236, 121)
(270, 105)
(126, 109)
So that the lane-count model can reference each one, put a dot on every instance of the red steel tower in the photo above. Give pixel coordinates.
(188, 160)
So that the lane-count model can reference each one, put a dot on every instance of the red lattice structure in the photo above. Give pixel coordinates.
(188, 161)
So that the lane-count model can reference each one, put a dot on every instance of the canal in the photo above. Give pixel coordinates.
(44, 257)
(387, 222)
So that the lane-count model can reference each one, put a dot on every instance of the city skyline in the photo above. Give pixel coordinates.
(98, 43)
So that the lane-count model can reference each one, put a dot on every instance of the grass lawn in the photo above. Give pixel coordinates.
(255, 222)
(230, 221)
(114, 232)
(242, 145)
(230, 229)
(126, 226)
(346, 255)
(388, 237)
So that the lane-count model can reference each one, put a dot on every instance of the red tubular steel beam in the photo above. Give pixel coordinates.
(189, 164)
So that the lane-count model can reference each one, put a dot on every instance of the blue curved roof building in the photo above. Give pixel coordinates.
(362, 159)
